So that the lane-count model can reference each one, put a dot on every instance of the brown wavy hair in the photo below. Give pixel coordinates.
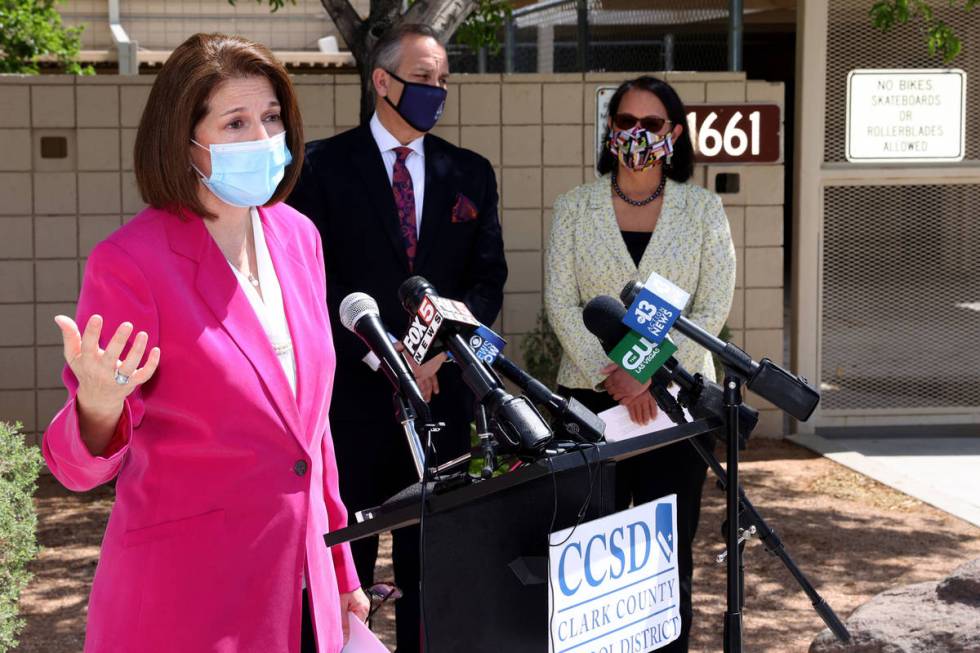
(179, 100)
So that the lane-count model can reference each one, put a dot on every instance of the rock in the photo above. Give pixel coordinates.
(933, 617)
(963, 585)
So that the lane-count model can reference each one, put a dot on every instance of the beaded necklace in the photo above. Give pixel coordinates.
(657, 193)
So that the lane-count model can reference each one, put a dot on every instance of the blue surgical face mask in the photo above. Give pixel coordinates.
(420, 105)
(247, 173)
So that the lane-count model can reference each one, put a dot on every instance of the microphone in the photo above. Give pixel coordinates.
(429, 311)
(637, 355)
(359, 313)
(571, 415)
(785, 390)
(437, 319)
(603, 317)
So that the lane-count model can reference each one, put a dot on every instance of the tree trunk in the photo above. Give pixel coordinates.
(367, 96)
(444, 16)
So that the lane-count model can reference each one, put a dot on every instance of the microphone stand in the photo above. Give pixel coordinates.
(486, 442)
(406, 417)
(733, 614)
(758, 526)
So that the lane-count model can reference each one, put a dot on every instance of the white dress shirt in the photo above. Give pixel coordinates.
(268, 306)
(415, 163)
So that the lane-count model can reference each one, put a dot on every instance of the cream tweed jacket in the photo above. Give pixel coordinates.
(587, 257)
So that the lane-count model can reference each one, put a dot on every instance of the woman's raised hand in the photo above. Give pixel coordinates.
(104, 381)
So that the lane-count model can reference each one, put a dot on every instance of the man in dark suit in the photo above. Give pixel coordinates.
(392, 201)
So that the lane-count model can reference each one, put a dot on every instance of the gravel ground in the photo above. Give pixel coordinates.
(852, 537)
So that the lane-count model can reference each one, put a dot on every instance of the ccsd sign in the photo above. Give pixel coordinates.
(614, 586)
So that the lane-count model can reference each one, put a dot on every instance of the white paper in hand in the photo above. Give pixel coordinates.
(362, 640)
(619, 426)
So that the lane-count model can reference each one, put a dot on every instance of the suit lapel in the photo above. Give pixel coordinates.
(437, 202)
(221, 292)
(673, 208)
(609, 232)
(300, 304)
(370, 166)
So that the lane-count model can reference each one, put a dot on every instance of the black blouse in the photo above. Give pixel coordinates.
(636, 243)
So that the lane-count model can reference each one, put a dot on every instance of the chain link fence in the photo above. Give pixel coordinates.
(619, 38)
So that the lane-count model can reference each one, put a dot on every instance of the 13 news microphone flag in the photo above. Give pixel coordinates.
(651, 315)
(655, 309)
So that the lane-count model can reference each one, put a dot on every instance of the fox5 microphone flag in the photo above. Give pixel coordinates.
(655, 309)
(432, 314)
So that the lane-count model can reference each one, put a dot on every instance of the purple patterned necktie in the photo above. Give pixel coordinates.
(401, 184)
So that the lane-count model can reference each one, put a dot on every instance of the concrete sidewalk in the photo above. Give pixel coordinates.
(941, 471)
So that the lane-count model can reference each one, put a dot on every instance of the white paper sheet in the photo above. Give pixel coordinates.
(619, 426)
(362, 640)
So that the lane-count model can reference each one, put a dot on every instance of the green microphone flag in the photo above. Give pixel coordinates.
(640, 357)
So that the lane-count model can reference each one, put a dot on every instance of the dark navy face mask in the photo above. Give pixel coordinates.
(420, 105)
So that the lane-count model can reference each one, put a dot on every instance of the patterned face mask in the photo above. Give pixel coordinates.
(639, 149)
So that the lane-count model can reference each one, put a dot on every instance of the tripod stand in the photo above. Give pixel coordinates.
(738, 504)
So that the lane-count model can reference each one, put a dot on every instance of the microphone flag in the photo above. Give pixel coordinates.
(432, 314)
(641, 357)
(486, 344)
(655, 309)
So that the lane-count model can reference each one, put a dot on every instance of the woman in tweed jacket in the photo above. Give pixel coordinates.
(641, 216)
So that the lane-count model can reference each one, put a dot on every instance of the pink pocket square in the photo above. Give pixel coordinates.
(464, 210)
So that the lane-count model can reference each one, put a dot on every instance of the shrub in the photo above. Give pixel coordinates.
(542, 352)
(20, 464)
(31, 29)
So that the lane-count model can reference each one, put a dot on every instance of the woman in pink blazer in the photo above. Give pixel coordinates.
(219, 443)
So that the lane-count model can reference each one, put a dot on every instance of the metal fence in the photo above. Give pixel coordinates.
(560, 36)
(899, 304)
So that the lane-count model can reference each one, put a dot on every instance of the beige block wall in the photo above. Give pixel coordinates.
(537, 130)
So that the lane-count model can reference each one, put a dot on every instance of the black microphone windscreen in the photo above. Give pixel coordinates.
(603, 317)
(630, 291)
(411, 292)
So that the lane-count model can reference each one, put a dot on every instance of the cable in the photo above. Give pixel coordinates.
(585, 504)
(551, 585)
(425, 467)
(579, 518)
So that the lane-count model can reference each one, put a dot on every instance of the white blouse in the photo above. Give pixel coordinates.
(268, 306)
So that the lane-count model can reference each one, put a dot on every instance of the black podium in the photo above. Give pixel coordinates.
(485, 574)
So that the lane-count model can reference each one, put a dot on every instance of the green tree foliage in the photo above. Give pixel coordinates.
(20, 464)
(939, 37)
(542, 352)
(483, 27)
(31, 29)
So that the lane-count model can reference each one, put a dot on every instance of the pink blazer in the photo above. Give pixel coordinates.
(225, 482)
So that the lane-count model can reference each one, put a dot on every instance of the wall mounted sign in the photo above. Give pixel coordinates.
(720, 133)
(896, 116)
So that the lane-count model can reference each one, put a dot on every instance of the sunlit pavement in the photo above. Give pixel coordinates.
(939, 470)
